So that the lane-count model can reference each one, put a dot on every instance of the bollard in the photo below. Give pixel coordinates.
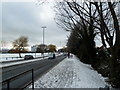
(32, 79)
(8, 85)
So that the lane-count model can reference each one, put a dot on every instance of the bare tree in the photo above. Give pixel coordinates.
(72, 16)
(90, 19)
(20, 44)
(110, 35)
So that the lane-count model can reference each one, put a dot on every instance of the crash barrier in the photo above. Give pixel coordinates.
(7, 81)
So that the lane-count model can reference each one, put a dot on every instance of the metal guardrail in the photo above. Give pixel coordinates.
(11, 58)
(5, 62)
(6, 58)
(20, 59)
(8, 80)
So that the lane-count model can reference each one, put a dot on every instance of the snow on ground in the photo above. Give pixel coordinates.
(15, 56)
(21, 62)
(71, 73)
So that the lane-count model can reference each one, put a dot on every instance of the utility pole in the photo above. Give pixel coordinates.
(43, 28)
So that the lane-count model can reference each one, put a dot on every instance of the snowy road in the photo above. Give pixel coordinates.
(71, 73)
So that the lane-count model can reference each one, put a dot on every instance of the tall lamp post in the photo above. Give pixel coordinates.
(43, 28)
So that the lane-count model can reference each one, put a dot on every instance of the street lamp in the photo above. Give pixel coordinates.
(43, 28)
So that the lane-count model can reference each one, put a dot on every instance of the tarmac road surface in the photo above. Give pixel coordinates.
(39, 67)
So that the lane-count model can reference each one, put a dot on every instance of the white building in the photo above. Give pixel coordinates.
(4, 50)
(34, 48)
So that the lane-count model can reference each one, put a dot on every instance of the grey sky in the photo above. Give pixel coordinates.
(26, 19)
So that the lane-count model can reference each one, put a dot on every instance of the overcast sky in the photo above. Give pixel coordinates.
(26, 19)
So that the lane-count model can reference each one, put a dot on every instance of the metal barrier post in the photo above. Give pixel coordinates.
(32, 79)
(8, 85)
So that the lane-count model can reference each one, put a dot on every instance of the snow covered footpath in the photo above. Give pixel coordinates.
(71, 73)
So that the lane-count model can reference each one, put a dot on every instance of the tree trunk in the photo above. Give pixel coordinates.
(113, 61)
(20, 55)
(115, 48)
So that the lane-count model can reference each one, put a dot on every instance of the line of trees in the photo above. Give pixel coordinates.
(87, 21)
(20, 44)
(42, 48)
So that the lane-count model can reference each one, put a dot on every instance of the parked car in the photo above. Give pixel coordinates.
(26, 57)
(51, 56)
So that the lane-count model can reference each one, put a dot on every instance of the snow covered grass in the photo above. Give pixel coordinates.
(8, 56)
(21, 62)
(71, 73)
(15, 56)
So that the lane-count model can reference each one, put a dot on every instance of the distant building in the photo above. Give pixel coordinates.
(34, 48)
(4, 50)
